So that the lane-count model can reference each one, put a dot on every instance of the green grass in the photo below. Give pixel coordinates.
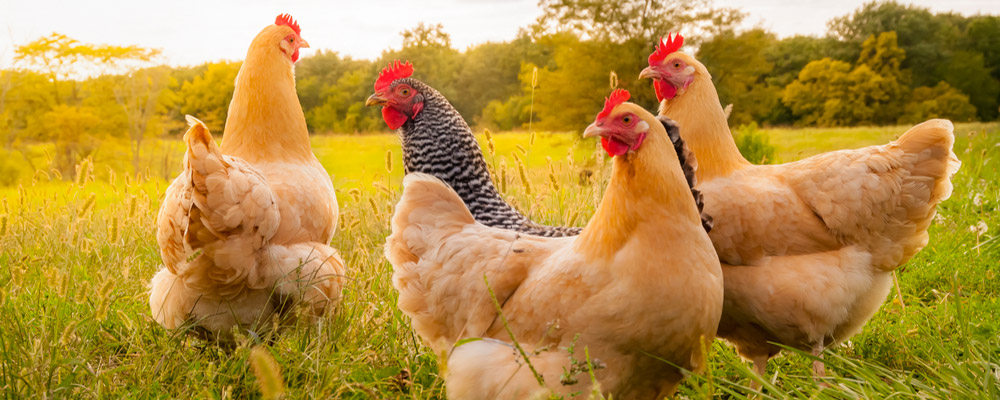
(76, 256)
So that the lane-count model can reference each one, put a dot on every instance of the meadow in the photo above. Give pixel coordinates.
(78, 249)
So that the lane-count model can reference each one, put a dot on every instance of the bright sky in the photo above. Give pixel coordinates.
(191, 32)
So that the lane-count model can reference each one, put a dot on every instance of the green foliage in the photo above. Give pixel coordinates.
(829, 92)
(940, 101)
(754, 145)
(967, 72)
(739, 65)
(12, 169)
(925, 37)
(207, 96)
(507, 115)
(571, 88)
(630, 20)
(983, 35)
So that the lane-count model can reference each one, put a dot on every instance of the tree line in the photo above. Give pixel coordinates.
(884, 63)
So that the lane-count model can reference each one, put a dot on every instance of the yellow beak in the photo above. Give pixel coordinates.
(649, 73)
(375, 100)
(303, 44)
(593, 130)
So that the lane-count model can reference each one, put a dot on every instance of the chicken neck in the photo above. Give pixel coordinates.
(648, 199)
(265, 120)
(705, 129)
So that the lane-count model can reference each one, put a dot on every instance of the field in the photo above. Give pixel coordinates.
(77, 253)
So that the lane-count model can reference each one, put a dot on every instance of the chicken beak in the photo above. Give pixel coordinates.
(303, 44)
(375, 100)
(649, 73)
(593, 130)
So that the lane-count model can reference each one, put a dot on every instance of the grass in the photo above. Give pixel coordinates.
(76, 255)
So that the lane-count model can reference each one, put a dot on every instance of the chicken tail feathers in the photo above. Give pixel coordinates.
(232, 215)
(689, 164)
(933, 143)
(928, 146)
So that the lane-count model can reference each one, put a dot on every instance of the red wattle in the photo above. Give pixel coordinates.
(393, 117)
(664, 90)
(295, 56)
(614, 147)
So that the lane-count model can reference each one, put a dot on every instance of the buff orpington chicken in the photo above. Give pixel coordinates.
(244, 230)
(641, 286)
(808, 247)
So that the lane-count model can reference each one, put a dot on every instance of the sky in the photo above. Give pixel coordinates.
(192, 32)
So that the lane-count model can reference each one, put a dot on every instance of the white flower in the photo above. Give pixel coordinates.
(939, 219)
(979, 228)
(978, 200)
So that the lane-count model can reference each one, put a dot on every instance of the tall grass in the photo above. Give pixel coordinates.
(76, 254)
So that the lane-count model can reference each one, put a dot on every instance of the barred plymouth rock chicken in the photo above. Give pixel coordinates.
(808, 247)
(437, 141)
(244, 231)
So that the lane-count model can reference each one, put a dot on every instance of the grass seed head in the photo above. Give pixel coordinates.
(371, 202)
(113, 230)
(388, 160)
(68, 335)
(489, 142)
(524, 175)
(88, 204)
(268, 373)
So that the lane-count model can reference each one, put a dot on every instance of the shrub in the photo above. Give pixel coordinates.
(754, 145)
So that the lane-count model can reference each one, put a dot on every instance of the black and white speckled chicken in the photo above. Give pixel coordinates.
(438, 141)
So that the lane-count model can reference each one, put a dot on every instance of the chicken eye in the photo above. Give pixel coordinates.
(677, 65)
(291, 40)
(627, 120)
(404, 92)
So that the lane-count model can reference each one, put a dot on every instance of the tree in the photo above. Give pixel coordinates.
(967, 72)
(572, 87)
(207, 96)
(830, 92)
(144, 97)
(925, 37)
(632, 20)
(62, 57)
(940, 101)
(343, 109)
(739, 64)
(983, 35)
(490, 73)
(73, 128)
(885, 59)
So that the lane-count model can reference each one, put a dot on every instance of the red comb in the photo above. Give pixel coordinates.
(666, 47)
(286, 20)
(395, 70)
(617, 97)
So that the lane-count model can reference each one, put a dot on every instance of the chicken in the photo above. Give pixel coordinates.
(640, 288)
(244, 230)
(437, 141)
(808, 247)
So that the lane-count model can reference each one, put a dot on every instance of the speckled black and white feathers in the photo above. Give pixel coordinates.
(689, 165)
(440, 143)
